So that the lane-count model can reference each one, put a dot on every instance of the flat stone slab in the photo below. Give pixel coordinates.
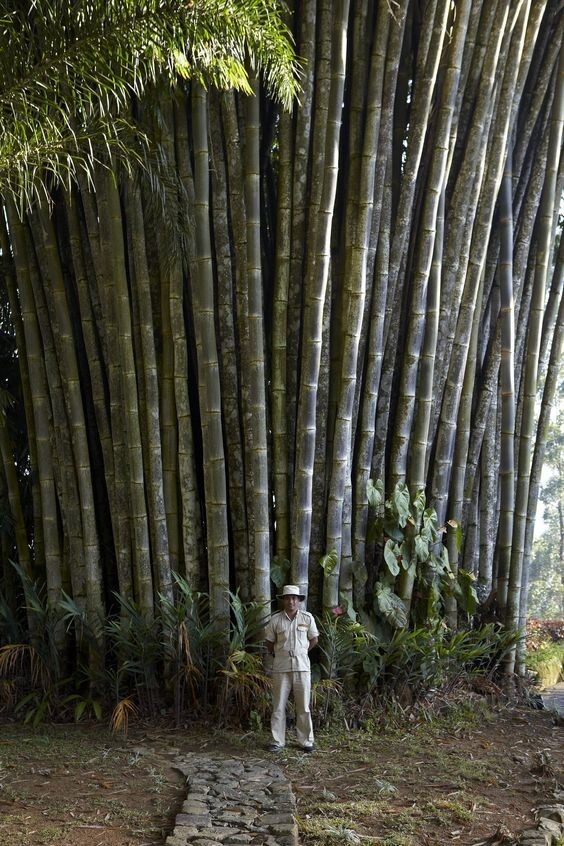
(231, 802)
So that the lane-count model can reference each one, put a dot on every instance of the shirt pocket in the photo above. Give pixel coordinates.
(303, 639)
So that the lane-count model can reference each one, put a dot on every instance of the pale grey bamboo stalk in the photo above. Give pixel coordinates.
(477, 256)
(355, 286)
(65, 349)
(230, 382)
(544, 244)
(507, 381)
(418, 457)
(111, 224)
(523, 47)
(316, 72)
(306, 270)
(280, 348)
(456, 492)
(192, 542)
(428, 59)
(321, 462)
(490, 367)
(280, 351)
(85, 283)
(465, 195)
(10, 282)
(149, 405)
(16, 507)
(434, 186)
(208, 377)
(313, 318)
(537, 33)
(236, 180)
(547, 407)
(386, 357)
(64, 471)
(40, 406)
(480, 23)
(365, 437)
(169, 266)
(387, 46)
(256, 361)
(377, 266)
(101, 237)
(417, 466)
(471, 546)
(489, 461)
(358, 104)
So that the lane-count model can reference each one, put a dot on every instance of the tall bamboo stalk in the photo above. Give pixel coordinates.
(313, 317)
(545, 228)
(256, 374)
(208, 376)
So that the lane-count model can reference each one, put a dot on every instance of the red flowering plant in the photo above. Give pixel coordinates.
(543, 632)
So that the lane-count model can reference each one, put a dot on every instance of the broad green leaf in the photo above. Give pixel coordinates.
(421, 548)
(465, 592)
(279, 569)
(402, 503)
(375, 493)
(418, 506)
(329, 562)
(390, 606)
(392, 530)
(430, 523)
(390, 557)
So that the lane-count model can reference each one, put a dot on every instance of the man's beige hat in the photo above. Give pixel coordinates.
(291, 590)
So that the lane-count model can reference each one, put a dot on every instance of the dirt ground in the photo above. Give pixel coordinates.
(442, 781)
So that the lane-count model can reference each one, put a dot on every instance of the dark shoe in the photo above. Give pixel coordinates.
(273, 747)
(308, 748)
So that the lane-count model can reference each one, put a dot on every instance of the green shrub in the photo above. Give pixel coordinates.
(547, 663)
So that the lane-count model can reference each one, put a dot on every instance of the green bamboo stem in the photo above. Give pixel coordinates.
(313, 317)
(230, 381)
(256, 372)
(208, 377)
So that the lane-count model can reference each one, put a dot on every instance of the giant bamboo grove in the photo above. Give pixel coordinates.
(217, 353)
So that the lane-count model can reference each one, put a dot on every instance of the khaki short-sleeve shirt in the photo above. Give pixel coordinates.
(291, 641)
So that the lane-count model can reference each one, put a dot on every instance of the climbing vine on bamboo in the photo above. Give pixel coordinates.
(415, 575)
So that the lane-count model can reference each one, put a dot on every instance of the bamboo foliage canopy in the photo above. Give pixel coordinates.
(221, 344)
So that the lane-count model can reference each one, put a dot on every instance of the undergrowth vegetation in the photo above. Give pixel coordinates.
(178, 664)
(545, 651)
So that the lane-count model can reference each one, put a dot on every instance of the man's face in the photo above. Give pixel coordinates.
(291, 605)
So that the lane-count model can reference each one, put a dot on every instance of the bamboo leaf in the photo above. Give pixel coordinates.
(79, 710)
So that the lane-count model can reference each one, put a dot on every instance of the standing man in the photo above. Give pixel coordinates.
(290, 634)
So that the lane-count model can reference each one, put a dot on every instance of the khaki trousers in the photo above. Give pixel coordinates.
(300, 685)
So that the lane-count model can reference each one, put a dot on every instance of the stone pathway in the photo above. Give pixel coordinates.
(231, 802)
